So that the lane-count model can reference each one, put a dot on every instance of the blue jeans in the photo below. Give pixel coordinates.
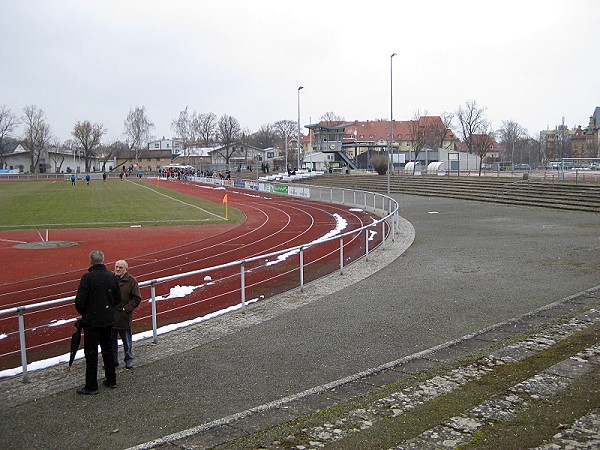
(126, 338)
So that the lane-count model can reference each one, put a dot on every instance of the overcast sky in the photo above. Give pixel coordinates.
(529, 61)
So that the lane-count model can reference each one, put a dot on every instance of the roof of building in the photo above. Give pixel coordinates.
(380, 129)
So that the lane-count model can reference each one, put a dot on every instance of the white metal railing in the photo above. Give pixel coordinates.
(379, 203)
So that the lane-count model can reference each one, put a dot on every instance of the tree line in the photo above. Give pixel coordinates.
(208, 130)
(204, 129)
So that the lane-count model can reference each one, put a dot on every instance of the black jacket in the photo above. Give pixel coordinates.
(97, 295)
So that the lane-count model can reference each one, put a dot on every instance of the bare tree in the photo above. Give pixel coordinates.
(8, 123)
(472, 122)
(447, 125)
(419, 131)
(206, 128)
(285, 129)
(512, 134)
(88, 137)
(229, 132)
(113, 149)
(330, 119)
(137, 130)
(483, 142)
(57, 157)
(265, 136)
(185, 129)
(37, 135)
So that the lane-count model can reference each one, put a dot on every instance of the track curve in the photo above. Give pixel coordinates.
(272, 223)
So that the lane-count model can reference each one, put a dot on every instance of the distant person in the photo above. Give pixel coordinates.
(130, 299)
(72, 180)
(121, 176)
(87, 179)
(103, 176)
(97, 295)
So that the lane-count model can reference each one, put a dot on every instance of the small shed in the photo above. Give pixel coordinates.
(436, 167)
(412, 168)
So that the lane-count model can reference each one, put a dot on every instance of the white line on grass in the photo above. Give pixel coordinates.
(177, 200)
(103, 223)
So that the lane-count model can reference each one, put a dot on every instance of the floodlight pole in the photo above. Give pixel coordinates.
(391, 141)
(299, 88)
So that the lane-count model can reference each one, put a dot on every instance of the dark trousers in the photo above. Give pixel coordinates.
(92, 337)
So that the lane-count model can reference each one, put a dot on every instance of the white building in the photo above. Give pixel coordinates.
(319, 161)
(53, 160)
(174, 145)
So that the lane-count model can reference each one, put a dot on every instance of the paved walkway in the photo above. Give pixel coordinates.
(448, 294)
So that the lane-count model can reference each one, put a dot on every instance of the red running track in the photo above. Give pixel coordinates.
(271, 223)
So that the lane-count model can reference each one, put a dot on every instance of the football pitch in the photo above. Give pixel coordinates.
(58, 204)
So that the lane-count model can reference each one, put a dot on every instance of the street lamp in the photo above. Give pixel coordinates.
(300, 87)
(390, 147)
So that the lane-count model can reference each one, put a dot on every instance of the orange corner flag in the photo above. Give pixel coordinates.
(225, 199)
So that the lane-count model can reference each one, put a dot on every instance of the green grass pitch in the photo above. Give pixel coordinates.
(58, 204)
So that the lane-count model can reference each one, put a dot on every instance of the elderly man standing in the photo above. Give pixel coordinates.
(130, 299)
(96, 298)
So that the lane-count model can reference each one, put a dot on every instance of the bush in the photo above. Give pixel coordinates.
(380, 164)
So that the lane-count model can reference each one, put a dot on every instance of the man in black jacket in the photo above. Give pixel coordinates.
(97, 295)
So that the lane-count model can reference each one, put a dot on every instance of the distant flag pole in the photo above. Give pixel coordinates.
(226, 203)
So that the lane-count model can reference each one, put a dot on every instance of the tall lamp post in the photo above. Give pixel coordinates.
(390, 147)
(300, 87)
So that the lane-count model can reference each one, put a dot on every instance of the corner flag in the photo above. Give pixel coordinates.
(226, 203)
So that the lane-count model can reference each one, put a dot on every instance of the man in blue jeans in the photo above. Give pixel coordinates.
(97, 295)
(130, 299)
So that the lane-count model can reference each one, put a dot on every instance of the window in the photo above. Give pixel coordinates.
(156, 145)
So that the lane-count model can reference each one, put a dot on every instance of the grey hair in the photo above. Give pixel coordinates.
(97, 257)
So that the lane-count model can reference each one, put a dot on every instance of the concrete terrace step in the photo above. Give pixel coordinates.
(506, 191)
(473, 390)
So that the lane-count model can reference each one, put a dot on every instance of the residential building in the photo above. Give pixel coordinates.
(147, 160)
(175, 146)
(351, 140)
(584, 142)
(242, 156)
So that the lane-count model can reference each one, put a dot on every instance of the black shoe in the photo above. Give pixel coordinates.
(111, 386)
(86, 391)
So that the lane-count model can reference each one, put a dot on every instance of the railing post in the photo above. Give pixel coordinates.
(243, 281)
(341, 255)
(366, 244)
(383, 237)
(301, 269)
(23, 345)
(153, 302)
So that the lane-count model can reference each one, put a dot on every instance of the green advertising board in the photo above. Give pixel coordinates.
(280, 189)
